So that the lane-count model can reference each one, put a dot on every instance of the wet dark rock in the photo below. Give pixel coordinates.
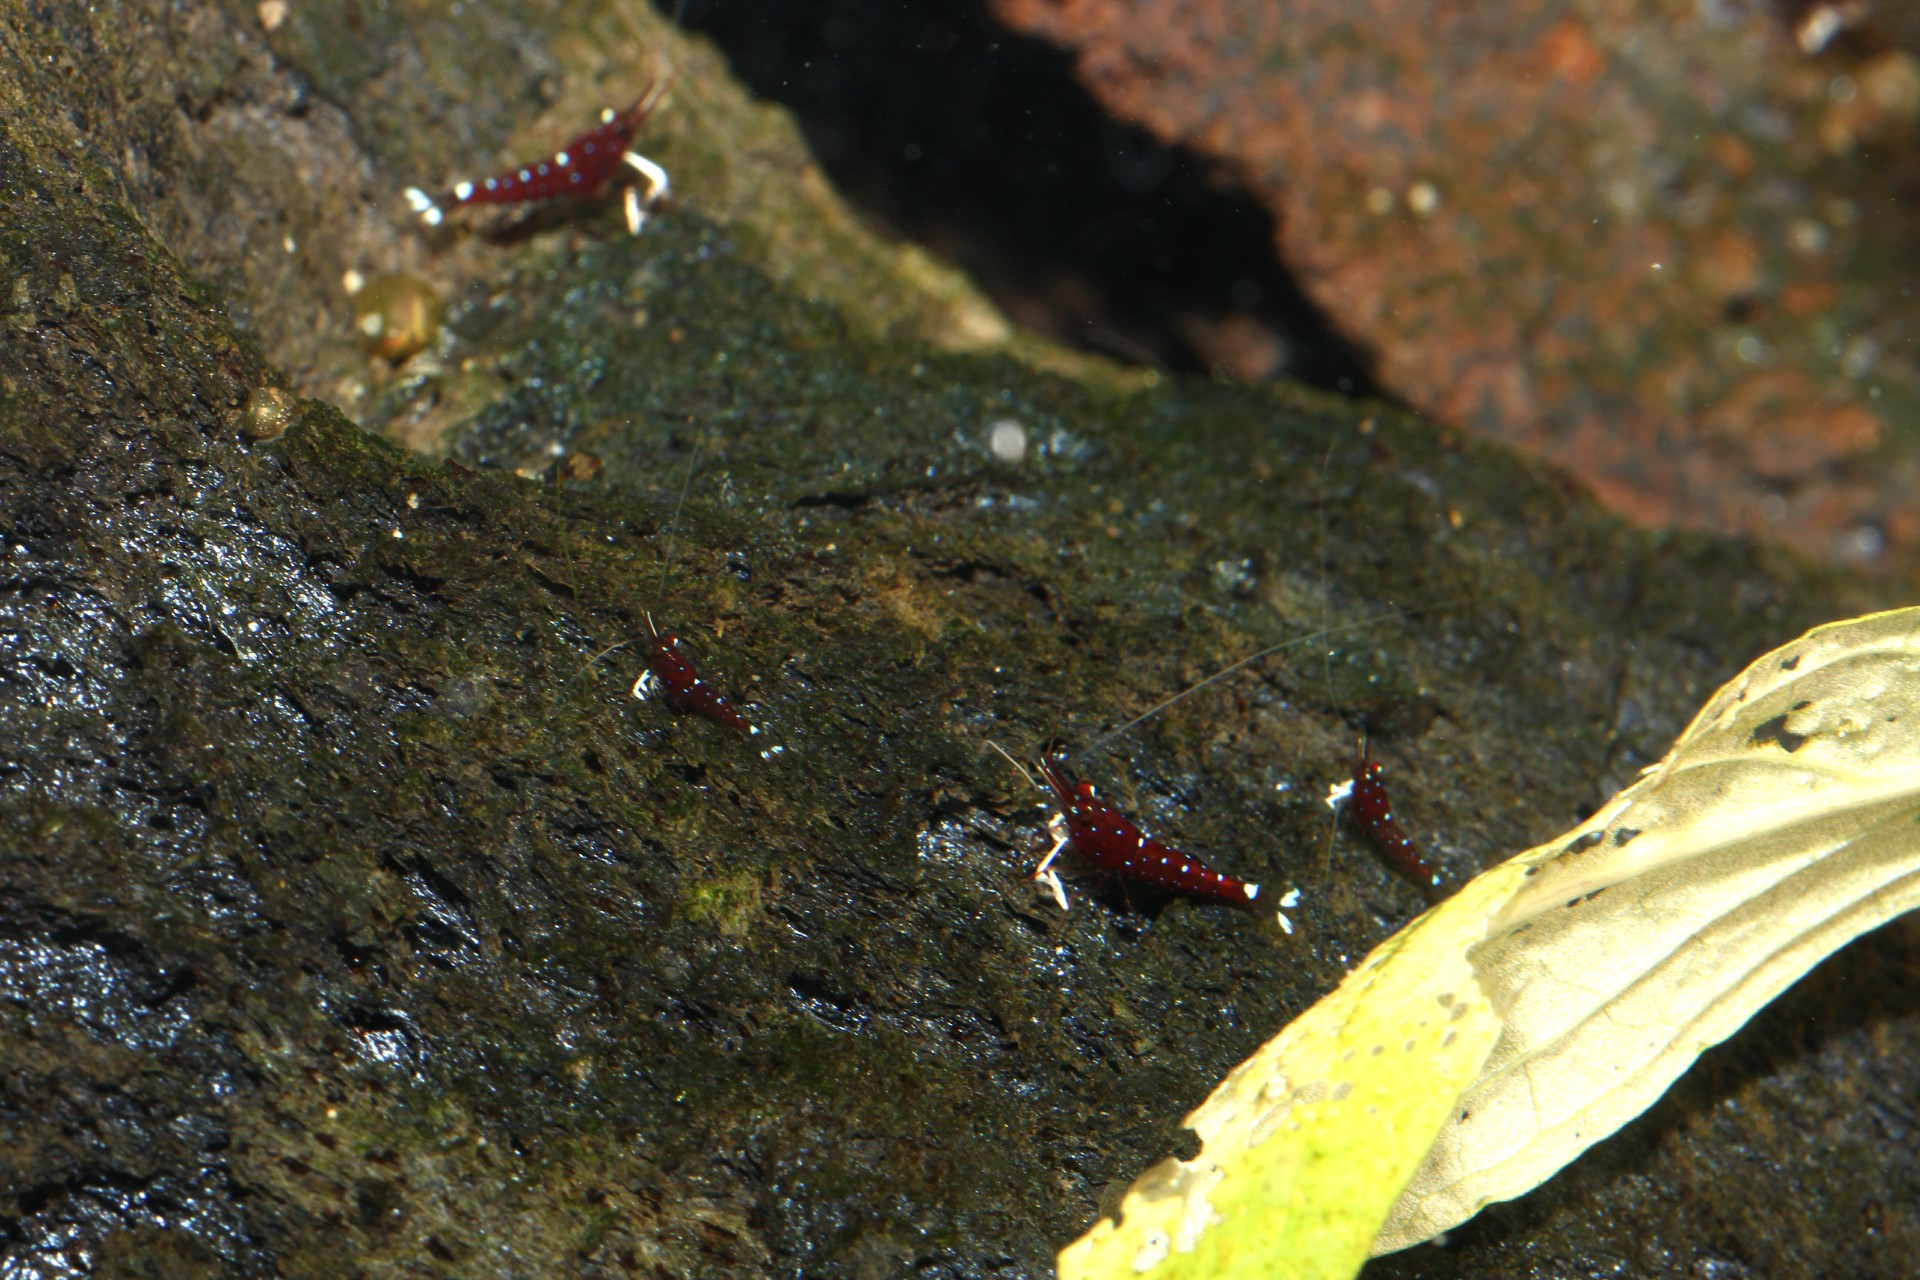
(355, 918)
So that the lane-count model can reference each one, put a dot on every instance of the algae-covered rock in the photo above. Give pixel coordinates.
(355, 917)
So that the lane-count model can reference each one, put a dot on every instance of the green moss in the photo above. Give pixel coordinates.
(732, 903)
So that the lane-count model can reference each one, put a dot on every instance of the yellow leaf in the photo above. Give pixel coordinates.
(1306, 1143)
(1556, 996)
(1782, 825)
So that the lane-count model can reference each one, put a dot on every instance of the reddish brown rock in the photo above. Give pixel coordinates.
(1668, 244)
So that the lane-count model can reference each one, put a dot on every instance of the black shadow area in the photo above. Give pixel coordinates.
(947, 129)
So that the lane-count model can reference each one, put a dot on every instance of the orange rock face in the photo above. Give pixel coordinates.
(1669, 244)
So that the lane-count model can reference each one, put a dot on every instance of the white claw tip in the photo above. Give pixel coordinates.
(1253, 891)
(1338, 793)
(1291, 898)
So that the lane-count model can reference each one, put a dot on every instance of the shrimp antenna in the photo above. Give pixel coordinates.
(1326, 659)
(1326, 599)
(618, 644)
(644, 106)
(1015, 763)
(1252, 658)
(673, 527)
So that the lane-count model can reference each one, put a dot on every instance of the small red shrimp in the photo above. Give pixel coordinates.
(583, 168)
(1366, 795)
(683, 687)
(1103, 836)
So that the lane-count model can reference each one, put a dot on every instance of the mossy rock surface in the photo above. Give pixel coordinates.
(355, 918)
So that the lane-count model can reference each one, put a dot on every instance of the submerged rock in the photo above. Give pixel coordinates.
(1663, 245)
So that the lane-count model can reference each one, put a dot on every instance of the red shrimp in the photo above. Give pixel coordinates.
(683, 687)
(1366, 796)
(1103, 836)
(583, 168)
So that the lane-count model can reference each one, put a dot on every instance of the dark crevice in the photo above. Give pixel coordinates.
(946, 128)
(846, 500)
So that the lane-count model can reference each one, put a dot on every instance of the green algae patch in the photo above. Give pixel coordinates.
(734, 903)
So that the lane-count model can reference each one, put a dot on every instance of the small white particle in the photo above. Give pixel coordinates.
(464, 190)
(1864, 543)
(1820, 25)
(1423, 198)
(1007, 441)
(398, 534)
